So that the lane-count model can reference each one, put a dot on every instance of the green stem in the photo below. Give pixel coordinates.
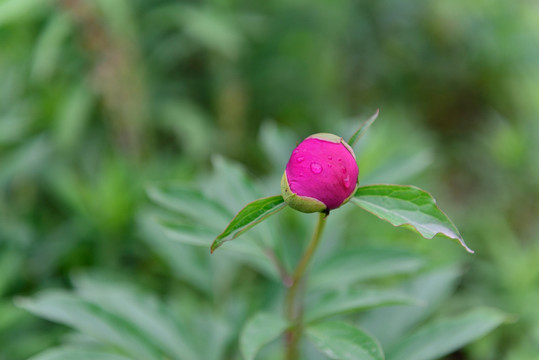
(293, 308)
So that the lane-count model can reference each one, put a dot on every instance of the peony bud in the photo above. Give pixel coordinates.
(321, 174)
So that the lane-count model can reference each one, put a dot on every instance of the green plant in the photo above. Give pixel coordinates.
(399, 205)
(100, 98)
(233, 299)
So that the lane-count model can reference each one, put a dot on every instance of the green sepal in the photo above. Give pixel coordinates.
(304, 204)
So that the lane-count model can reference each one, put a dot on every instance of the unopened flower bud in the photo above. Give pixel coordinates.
(321, 174)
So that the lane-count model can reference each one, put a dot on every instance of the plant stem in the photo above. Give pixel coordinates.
(293, 307)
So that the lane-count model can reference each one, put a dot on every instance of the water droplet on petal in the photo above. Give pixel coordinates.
(346, 181)
(343, 170)
(295, 151)
(300, 159)
(339, 159)
(316, 168)
(330, 157)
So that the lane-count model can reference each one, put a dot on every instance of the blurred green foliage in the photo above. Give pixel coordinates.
(99, 99)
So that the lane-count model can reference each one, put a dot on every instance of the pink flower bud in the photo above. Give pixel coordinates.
(321, 174)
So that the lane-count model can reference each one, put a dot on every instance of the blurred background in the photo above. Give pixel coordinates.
(99, 99)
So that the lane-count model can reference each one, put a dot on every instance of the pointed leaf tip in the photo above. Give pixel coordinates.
(363, 129)
(407, 205)
(252, 214)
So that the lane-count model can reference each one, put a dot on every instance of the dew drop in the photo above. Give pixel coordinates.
(330, 157)
(339, 159)
(343, 170)
(300, 159)
(316, 168)
(346, 181)
(295, 151)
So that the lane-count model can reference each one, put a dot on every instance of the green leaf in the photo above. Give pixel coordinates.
(353, 301)
(49, 47)
(278, 143)
(143, 311)
(11, 264)
(29, 159)
(185, 261)
(230, 184)
(259, 331)
(363, 264)
(195, 267)
(248, 217)
(16, 11)
(73, 117)
(363, 129)
(407, 205)
(10, 315)
(92, 320)
(249, 252)
(66, 353)
(445, 336)
(212, 30)
(186, 233)
(190, 203)
(342, 341)
(398, 168)
(431, 289)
